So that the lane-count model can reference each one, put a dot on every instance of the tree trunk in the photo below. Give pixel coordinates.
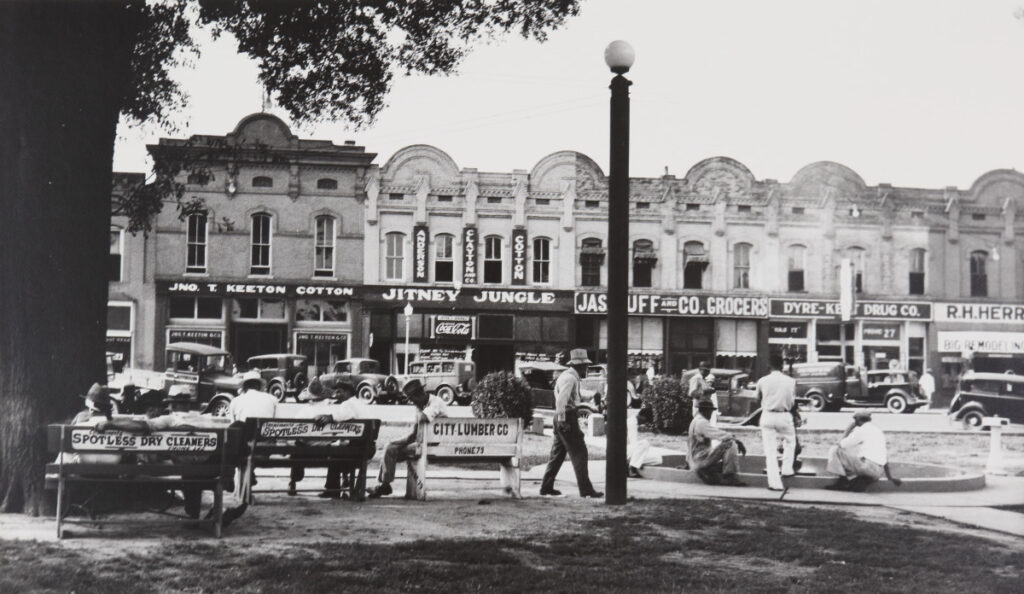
(64, 69)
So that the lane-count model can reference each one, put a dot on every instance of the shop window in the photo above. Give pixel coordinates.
(556, 329)
(692, 207)
(917, 263)
(119, 318)
(644, 259)
(827, 332)
(444, 262)
(528, 328)
(262, 181)
(493, 272)
(858, 257)
(741, 266)
(592, 203)
(396, 197)
(260, 255)
(541, 260)
(494, 200)
(195, 308)
(394, 256)
(195, 242)
(326, 183)
(114, 271)
(323, 248)
(543, 201)
(979, 277)
(695, 260)
(382, 325)
(796, 262)
(591, 260)
(321, 310)
(257, 309)
(495, 326)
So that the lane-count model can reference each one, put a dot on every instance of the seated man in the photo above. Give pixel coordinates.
(428, 408)
(860, 457)
(98, 408)
(714, 464)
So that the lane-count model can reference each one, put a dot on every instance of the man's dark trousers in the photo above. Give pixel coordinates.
(568, 439)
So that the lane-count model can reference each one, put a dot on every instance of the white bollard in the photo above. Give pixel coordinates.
(995, 464)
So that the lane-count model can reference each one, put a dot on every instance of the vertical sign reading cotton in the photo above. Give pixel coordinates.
(519, 256)
(420, 245)
(469, 256)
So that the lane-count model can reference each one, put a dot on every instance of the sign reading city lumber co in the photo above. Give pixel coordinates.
(472, 437)
(988, 313)
(469, 256)
(823, 308)
(453, 326)
(420, 245)
(167, 441)
(190, 287)
(677, 305)
(519, 256)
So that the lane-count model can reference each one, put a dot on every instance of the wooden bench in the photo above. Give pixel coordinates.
(283, 443)
(462, 440)
(167, 460)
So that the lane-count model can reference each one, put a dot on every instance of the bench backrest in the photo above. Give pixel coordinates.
(275, 436)
(471, 438)
(221, 445)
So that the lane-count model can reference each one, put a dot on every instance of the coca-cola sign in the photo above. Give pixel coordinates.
(453, 326)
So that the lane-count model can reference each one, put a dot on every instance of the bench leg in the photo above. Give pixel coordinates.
(218, 509)
(510, 478)
(415, 479)
(61, 504)
(358, 492)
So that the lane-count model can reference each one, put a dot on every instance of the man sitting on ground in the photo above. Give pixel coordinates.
(860, 456)
(428, 408)
(714, 464)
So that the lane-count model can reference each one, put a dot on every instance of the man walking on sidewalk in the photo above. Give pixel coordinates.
(776, 393)
(568, 437)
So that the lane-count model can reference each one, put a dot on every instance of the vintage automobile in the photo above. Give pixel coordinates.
(981, 395)
(284, 373)
(208, 372)
(541, 376)
(595, 386)
(362, 377)
(736, 392)
(452, 380)
(831, 386)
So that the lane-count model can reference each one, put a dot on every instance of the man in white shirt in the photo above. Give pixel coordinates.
(776, 392)
(859, 458)
(927, 383)
(252, 401)
(428, 408)
(701, 388)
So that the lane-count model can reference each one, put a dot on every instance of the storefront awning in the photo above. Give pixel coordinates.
(697, 259)
(735, 354)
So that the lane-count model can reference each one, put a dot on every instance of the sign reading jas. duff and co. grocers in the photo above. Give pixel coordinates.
(420, 249)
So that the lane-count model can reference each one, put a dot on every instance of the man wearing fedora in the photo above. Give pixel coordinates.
(428, 408)
(99, 408)
(860, 457)
(568, 437)
(715, 464)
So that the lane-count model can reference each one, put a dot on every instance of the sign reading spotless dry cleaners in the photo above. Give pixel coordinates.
(724, 306)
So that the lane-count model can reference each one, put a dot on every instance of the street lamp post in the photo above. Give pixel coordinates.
(619, 56)
(408, 314)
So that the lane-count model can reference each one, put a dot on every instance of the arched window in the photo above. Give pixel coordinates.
(644, 260)
(591, 260)
(917, 265)
(260, 258)
(262, 181)
(796, 263)
(323, 246)
(326, 183)
(444, 259)
(741, 266)
(394, 256)
(114, 272)
(541, 260)
(979, 277)
(858, 257)
(493, 272)
(695, 260)
(195, 243)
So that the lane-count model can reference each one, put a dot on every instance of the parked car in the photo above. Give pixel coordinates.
(595, 387)
(207, 370)
(452, 380)
(284, 373)
(541, 376)
(831, 386)
(736, 392)
(981, 395)
(362, 377)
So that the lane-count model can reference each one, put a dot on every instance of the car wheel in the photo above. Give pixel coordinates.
(277, 391)
(584, 419)
(446, 394)
(219, 408)
(972, 420)
(367, 394)
(816, 402)
(897, 404)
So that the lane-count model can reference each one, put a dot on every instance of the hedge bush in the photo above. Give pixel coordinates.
(667, 404)
(501, 394)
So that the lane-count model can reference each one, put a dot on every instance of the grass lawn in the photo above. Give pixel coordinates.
(647, 546)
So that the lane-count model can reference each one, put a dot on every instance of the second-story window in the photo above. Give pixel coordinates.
(394, 256)
(695, 260)
(262, 181)
(493, 272)
(979, 276)
(444, 261)
(741, 266)
(195, 244)
(114, 273)
(796, 263)
(644, 260)
(917, 263)
(591, 260)
(541, 260)
(260, 256)
(323, 249)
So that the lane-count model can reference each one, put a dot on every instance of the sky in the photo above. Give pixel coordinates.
(915, 93)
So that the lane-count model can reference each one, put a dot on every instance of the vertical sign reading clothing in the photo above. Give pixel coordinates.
(420, 245)
(469, 256)
(519, 256)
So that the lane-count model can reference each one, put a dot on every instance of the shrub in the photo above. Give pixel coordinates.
(500, 394)
(668, 405)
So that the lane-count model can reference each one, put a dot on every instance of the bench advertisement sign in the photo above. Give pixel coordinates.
(289, 429)
(472, 437)
(166, 441)
(677, 305)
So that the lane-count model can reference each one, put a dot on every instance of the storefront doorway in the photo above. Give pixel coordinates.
(248, 340)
